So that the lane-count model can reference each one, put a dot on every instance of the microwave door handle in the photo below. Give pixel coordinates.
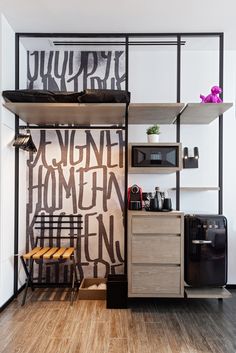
(201, 242)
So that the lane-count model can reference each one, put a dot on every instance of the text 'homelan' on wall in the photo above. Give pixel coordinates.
(81, 171)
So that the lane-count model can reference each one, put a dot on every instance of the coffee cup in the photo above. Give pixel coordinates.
(167, 204)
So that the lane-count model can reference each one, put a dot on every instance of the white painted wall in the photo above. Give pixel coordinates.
(152, 73)
(7, 73)
(200, 71)
(7, 173)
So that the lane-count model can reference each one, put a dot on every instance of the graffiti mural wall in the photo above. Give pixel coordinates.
(76, 70)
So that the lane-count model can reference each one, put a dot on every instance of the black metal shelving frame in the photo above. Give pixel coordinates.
(126, 42)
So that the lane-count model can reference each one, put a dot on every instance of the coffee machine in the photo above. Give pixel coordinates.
(135, 198)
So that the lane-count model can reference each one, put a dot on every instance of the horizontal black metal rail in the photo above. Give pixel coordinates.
(55, 237)
(59, 215)
(72, 227)
(117, 35)
(75, 43)
(59, 221)
(66, 127)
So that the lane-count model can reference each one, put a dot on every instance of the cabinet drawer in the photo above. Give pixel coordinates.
(156, 225)
(162, 249)
(155, 279)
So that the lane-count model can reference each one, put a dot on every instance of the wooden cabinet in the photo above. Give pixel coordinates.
(155, 254)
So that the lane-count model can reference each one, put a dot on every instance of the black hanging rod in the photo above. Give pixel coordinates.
(81, 127)
(57, 215)
(58, 227)
(57, 238)
(58, 222)
(148, 42)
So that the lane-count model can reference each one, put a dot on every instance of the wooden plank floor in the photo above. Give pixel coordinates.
(47, 323)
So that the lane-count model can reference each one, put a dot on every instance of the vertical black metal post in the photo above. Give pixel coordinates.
(16, 201)
(126, 155)
(221, 83)
(178, 117)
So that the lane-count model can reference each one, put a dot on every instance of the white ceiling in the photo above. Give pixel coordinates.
(93, 16)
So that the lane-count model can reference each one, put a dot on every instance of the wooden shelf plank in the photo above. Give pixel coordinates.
(198, 188)
(114, 113)
(203, 113)
(69, 113)
(154, 113)
(153, 170)
(201, 293)
(143, 212)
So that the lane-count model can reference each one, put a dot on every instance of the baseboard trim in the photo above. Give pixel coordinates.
(14, 296)
(5, 305)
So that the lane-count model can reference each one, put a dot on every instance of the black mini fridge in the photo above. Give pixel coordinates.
(205, 250)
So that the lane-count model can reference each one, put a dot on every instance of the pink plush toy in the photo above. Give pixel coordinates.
(213, 97)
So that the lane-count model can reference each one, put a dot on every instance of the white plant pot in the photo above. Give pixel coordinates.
(153, 138)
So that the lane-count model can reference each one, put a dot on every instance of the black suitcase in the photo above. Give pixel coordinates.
(205, 250)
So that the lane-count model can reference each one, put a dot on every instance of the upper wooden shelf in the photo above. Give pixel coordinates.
(114, 113)
(154, 113)
(69, 113)
(203, 113)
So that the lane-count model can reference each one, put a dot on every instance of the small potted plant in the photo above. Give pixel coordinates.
(153, 133)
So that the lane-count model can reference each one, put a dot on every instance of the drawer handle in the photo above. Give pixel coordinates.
(201, 242)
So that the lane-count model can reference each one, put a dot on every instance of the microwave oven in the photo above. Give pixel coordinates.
(159, 157)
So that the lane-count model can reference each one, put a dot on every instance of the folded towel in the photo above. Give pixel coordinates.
(102, 286)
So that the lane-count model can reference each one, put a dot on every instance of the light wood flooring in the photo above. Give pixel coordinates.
(46, 324)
